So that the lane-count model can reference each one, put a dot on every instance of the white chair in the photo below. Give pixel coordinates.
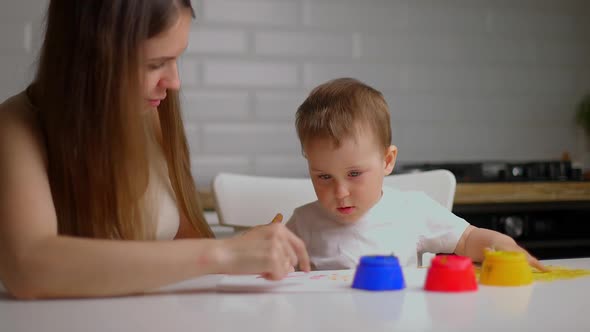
(439, 184)
(244, 201)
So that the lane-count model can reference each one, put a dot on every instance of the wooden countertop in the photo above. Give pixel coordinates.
(521, 192)
(494, 193)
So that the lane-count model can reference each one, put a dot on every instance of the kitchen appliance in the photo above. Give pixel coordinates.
(493, 171)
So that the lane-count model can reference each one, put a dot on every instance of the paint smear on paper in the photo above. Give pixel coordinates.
(554, 273)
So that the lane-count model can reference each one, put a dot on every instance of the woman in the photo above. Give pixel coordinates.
(94, 164)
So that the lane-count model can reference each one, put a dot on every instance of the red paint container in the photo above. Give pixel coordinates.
(450, 273)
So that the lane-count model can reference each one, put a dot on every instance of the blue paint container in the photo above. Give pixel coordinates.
(379, 273)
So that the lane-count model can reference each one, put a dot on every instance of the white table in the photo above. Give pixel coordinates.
(545, 306)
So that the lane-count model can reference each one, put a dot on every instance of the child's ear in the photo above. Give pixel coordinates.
(389, 160)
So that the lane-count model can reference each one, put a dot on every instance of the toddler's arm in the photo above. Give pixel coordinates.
(475, 240)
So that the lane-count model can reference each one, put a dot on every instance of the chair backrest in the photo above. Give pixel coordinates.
(249, 200)
(439, 184)
(243, 201)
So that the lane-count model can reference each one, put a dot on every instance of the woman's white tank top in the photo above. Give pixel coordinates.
(160, 195)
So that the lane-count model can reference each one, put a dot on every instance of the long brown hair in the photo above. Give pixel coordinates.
(88, 93)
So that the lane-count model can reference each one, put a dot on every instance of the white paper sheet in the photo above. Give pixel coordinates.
(301, 282)
(315, 281)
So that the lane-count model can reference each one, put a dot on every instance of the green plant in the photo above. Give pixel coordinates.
(583, 114)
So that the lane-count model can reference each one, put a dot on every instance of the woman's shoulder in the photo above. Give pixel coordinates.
(19, 123)
(17, 110)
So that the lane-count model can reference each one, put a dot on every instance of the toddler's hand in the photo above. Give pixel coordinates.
(513, 246)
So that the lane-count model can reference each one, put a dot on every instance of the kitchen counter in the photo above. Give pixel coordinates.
(521, 192)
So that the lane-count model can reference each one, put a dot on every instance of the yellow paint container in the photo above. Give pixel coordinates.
(505, 268)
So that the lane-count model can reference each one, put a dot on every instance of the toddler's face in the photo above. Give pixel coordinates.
(348, 179)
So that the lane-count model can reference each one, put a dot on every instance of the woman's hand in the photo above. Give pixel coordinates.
(270, 250)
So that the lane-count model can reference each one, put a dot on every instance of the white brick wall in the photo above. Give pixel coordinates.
(250, 138)
(251, 12)
(277, 105)
(288, 43)
(355, 15)
(248, 74)
(466, 79)
(217, 41)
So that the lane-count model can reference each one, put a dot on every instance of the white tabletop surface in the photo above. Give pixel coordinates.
(194, 305)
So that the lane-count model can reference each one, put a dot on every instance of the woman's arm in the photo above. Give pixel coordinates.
(59, 266)
(35, 262)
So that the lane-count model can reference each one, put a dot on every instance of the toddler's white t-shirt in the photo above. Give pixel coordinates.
(403, 223)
